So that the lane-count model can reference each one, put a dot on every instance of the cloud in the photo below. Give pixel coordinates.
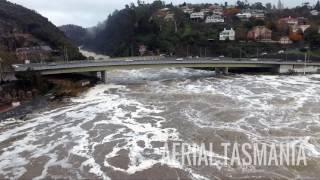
(88, 13)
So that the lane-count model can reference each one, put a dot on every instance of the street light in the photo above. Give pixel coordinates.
(305, 50)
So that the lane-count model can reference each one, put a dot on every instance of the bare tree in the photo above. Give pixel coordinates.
(2, 70)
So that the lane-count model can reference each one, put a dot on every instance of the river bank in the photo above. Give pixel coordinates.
(20, 98)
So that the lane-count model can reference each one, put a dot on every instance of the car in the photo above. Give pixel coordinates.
(281, 52)
(189, 57)
(264, 54)
(215, 59)
(254, 59)
(197, 57)
(299, 61)
(52, 64)
(222, 56)
(179, 59)
(129, 60)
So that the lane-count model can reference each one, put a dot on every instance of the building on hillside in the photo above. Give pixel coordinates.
(297, 28)
(260, 33)
(216, 9)
(187, 10)
(314, 12)
(197, 15)
(34, 54)
(285, 40)
(258, 15)
(169, 17)
(289, 21)
(244, 16)
(214, 19)
(205, 10)
(293, 21)
(227, 35)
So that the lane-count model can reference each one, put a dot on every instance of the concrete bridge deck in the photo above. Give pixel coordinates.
(221, 65)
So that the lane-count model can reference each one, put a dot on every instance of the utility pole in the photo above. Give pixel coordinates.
(1, 71)
(205, 51)
(305, 63)
(66, 54)
(175, 26)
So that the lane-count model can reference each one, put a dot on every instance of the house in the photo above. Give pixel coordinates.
(169, 17)
(293, 21)
(285, 40)
(289, 21)
(314, 13)
(214, 19)
(216, 9)
(244, 15)
(260, 33)
(205, 11)
(35, 53)
(197, 15)
(187, 10)
(258, 15)
(162, 13)
(227, 35)
(301, 28)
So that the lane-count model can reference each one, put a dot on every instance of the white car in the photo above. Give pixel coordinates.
(281, 52)
(129, 60)
(215, 59)
(179, 59)
(222, 56)
(254, 59)
(299, 61)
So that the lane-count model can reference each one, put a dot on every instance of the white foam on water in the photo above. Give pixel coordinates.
(269, 103)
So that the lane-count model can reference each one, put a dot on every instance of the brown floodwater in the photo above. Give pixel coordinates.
(118, 130)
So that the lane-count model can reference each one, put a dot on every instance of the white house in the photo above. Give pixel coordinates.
(258, 15)
(187, 10)
(227, 34)
(314, 13)
(285, 40)
(217, 11)
(197, 15)
(244, 15)
(215, 19)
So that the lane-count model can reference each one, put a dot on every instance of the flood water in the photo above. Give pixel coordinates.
(117, 130)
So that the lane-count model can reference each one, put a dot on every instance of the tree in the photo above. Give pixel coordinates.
(317, 7)
(258, 5)
(1, 70)
(269, 6)
(241, 5)
(295, 37)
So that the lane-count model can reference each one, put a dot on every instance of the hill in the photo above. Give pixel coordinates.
(165, 28)
(76, 34)
(21, 27)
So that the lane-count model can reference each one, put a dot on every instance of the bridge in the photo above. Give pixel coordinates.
(220, 64)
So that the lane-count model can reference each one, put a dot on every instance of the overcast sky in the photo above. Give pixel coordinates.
(88, 13)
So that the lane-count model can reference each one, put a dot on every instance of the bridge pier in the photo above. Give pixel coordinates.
(224, 70)
(104, 77)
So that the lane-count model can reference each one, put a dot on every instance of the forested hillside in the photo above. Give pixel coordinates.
(21, 27)
(125, 30)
